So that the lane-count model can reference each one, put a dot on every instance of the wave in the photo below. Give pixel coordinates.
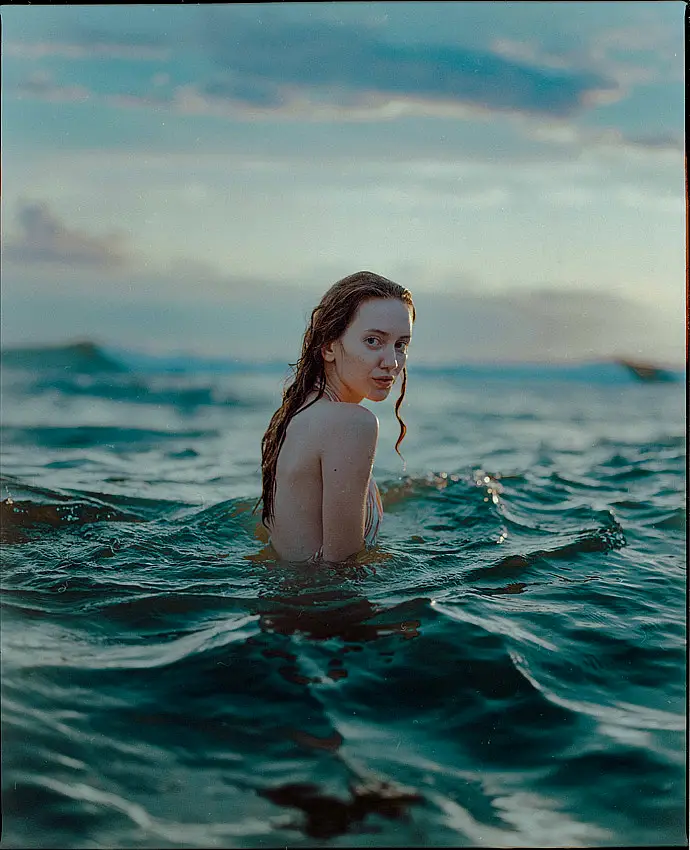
(89, 370)
(597, 540)
(28, 507)
(132, 389)
(87, 436)
(18, 517)
(88, 356)
(84, 356)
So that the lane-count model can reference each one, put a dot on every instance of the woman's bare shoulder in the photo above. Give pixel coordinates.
(339, 419)
(349, 425)
(350, 414)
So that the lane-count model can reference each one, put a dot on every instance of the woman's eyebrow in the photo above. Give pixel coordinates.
(384, 333)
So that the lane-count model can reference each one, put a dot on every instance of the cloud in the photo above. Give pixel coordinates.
(238, 316)
(44, 239)
(263, 316)
(361, 62)
(73, 38)
(98, 48)
(667, 145)
(557, 135)
(643, 50)
(655, 141)
(42, 86)
(400, 82)
(544, 324)
(270, 65)
(252, 102)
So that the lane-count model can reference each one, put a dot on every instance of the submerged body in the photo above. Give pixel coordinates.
(298, 530)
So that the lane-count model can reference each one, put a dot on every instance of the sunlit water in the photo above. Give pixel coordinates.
(507, 669)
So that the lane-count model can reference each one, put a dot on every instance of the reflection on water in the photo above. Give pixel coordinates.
(326, 816)
(322, 603)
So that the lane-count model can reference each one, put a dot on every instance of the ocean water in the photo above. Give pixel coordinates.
(507, 668)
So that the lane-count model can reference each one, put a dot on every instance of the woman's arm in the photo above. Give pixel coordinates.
(347, 458)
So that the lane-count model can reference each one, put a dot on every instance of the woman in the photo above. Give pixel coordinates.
(319, 499)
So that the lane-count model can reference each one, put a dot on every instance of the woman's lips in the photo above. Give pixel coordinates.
(384, 382)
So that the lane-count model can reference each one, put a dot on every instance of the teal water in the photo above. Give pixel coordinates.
(509, 669)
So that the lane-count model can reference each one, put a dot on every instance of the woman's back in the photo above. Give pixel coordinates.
(329, 448)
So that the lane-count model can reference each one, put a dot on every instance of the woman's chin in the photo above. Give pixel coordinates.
(379, 393)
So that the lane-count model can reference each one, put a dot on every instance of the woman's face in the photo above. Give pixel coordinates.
(372, 352)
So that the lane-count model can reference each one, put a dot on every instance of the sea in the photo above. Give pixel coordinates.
(507, 668)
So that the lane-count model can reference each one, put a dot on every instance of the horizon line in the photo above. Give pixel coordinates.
(585, 359)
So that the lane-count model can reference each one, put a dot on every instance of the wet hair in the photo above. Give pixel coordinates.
(329, 321)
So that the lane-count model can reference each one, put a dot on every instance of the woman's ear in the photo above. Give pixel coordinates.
(328, 352)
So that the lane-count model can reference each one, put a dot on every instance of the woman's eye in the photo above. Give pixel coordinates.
(374, 340)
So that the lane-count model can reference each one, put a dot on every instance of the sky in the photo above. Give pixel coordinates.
(192, 178)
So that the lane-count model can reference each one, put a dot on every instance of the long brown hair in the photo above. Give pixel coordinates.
(329, 321)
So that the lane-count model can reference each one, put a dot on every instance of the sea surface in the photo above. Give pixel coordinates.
(506, 669)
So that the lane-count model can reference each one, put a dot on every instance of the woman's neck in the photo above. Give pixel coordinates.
(336, 390)
(331, 394)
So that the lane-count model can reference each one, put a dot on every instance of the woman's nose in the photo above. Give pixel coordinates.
(389, 359)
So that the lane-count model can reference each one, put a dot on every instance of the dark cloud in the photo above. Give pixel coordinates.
(44, 239)
(658, 141)
(265, 319)
(540, 325)
(134, 34)
(42, 86)
(268, 62)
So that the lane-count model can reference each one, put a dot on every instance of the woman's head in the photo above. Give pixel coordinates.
(358, 333)
(367, 358)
